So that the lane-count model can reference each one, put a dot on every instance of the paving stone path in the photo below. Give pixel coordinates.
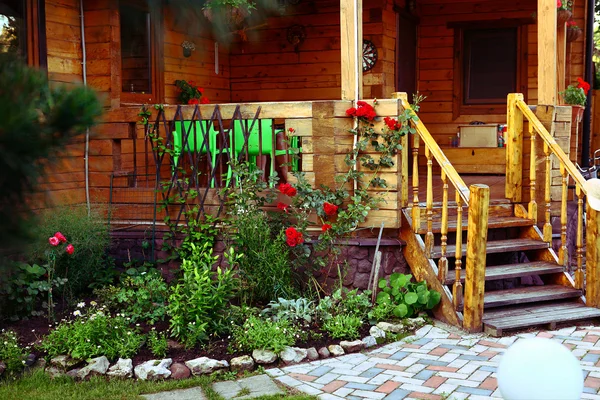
(438, 362)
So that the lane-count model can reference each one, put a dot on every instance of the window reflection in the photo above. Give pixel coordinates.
(136, 67)
(13, 33)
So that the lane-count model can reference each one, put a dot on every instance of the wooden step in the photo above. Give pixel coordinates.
(529, 294)
(493, 223)
(496, 246)
(510, 318)
(511, 271)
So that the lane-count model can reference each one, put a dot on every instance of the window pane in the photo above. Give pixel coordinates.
(13, 32)
(136, 66)
(490, 65)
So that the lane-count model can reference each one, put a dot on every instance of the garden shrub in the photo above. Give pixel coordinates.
(93, 334)
(344, 302)
(197, 303)
(343, 326)
(157, 343)
(263, 334)
(407, 298)
(11, 353)
(299, 311)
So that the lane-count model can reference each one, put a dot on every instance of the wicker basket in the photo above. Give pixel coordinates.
(573, 34)
(562, 16)
(231, 16)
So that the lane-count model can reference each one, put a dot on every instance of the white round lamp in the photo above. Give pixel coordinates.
(539, 369)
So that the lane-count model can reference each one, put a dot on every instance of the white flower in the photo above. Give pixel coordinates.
(77, 313)
(93, 303)
(81, 305)
(129, 333)
(143, 273)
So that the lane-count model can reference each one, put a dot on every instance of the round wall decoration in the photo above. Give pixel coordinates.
(369, 55)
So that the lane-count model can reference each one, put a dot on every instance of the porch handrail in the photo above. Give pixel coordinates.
(518, 111)
(477, 223)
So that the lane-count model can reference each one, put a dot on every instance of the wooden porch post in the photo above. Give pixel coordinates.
(547, 52)
(592, 295)
(351, 41)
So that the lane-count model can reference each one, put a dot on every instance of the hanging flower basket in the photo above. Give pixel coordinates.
(228, 15)
(563, 16)
(574, 34)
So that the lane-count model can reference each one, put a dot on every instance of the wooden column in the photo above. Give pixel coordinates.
(514, 150)
(546, 115)
(546, 19)
(350, 28)
(561, 59)
(476, 251)
(592, 294)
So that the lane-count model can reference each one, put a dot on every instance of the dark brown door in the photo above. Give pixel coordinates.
(406, 54)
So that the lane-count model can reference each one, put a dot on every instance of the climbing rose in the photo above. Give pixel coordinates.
(558, 4)
(392, 124)
(70, 249)
(325, 227)
(293, 237)
(204, 100)
(283, 206)
(330, 209)
(201, 90)
(54, 241)
(363, 110)
(287, 189)
(60, 237)
(583, 85)
(192, 83)
(193, 101)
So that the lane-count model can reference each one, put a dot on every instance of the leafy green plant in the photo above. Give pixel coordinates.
(11, 353)
(408, 298)
(344, 302)
(264, 334)
(197, 302)
(343, 326)
(93, 334)
(576, 94)
(189, 93)
(142, 298)
(296, 311)
(157, 342)
(381, 312)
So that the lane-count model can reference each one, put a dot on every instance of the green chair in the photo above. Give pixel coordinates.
(195, 141)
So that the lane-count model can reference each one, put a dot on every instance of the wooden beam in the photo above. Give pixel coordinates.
(561, 59)
(514, 150)
(547, 52)
(351, 38)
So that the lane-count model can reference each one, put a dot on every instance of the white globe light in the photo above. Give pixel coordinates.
(539, 369)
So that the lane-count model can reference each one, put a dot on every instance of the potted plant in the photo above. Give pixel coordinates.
(563, 12)
(189, 93)
(228, 12)
(573, 31)
(576, 96)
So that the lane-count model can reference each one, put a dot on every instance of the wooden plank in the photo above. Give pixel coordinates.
(592, 257)
(493, 223)
(476, 255)
(508, 271)
(529, 294)
(545, 315)
(546, 24)
(351, 46)
(514, 149)
(528, 309)
(499, 246)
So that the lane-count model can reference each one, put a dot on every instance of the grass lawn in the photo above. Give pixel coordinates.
(38, 386)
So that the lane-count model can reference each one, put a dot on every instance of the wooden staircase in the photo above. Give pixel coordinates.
(549, 299)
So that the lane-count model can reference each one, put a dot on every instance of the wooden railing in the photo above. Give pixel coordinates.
(477, 201)
(518, 112)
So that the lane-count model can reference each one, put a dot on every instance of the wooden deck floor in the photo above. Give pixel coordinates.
(495, 182)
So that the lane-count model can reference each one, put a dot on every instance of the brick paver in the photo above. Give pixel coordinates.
(436, 362)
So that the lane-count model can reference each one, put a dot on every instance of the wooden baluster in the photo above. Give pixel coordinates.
(429, 236)
(532, 212)
(416, 211)
(579, 270)
(592, 258)
(547, 199)
(564, 251)
(457, 290)
(443, 262)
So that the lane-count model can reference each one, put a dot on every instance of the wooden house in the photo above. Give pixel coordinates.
(295, 62)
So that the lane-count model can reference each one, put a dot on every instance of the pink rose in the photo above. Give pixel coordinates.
(60, 237)
(54, 241)
(70, 249)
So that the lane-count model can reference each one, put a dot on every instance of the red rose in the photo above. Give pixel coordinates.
(54, 241)
(192, 83)
(204, 100)
(583, 85)
(201, 90)
(60, 237)
(287, 189)
(283, 207)
(365, 111)
(330, 209)
(70, 249)
(325, 227)
(392, 124)
(293, 237)
(558, 4)
(351, 112)
(193, 101)
(291, 130)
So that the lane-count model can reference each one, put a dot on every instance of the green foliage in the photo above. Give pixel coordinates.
(142, 298)
(263, 334)
(218, 4)
(189, 93)
(574, 95)
(408, 298)
(157, 342)
(11, 353)
(382, 312)
(344, 302)
(343, 326)
(239, 314)
(197, 302)
(299, 311)
(36, 122)
(94, 334)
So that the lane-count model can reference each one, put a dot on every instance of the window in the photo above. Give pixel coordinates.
(138, 51)
(490, 62)
(22, 30)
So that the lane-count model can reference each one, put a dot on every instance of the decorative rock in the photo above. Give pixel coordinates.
(205, 365)
(293, 355)
(243, 363)
(415, 323)
(39, 363)
(2, 368)
(73, 373)
(153, 370)
(122, 369)
(377, 332)
(96, 366)
(369, 341)
(352, 347)
(301, 354)
(180, 371)
(264, 356)
(324, 353)
(54, 372)
(336, 350)
(394, 328)
(64, 362)
(312, 354)
(30, 360)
